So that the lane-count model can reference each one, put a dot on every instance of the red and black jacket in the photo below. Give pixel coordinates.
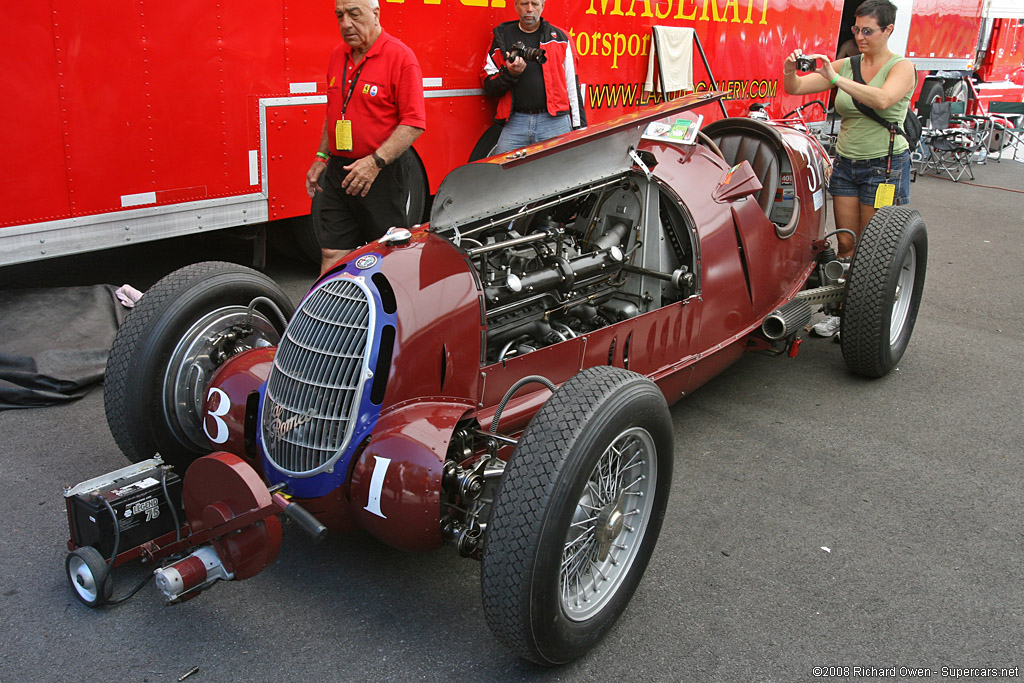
(560, 85)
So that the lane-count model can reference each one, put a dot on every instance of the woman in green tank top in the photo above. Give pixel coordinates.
(862, 144)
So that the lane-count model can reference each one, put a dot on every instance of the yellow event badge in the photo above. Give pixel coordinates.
(343, 136)
(884, 195)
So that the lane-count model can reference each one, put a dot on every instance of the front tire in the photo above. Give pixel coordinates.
(883, 291)
(577, 514)
(168, 348)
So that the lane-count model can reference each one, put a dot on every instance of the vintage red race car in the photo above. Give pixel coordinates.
(498, 379)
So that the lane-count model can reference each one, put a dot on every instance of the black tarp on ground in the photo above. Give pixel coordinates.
(54, 342)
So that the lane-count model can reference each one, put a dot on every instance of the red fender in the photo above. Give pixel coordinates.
(396, 483)
(227, 396)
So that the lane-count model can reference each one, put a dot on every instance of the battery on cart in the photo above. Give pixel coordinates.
(137, 498)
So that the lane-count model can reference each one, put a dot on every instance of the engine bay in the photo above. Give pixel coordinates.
(580, 261)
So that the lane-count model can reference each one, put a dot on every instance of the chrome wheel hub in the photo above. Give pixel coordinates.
(197, 356)
(608, 524)
(903, 295)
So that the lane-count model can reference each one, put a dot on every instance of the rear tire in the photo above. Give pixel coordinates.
(577, 514)
(487, 143)
(931, 92)
(416, 191)
(883, 291)
(956, 91)
(296, 237)
(167, 349)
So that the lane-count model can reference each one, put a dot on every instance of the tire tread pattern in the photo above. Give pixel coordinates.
(123, 412)
(524, 494)
(865, 302)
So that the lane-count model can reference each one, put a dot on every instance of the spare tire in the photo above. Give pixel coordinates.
(883, 291)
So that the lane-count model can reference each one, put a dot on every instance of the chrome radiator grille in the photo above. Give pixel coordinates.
(313, 394)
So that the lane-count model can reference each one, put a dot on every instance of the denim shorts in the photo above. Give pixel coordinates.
(525, 129)
(861, 178)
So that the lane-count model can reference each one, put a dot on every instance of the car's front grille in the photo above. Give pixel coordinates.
(314, 390)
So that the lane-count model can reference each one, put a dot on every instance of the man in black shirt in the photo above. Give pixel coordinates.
(538, 96)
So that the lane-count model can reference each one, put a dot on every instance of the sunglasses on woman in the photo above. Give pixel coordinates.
(867, 32)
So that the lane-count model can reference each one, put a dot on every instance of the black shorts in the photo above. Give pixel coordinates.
(347, 221)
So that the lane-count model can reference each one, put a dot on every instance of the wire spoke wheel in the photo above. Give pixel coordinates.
(577, 514)
(608, 524)
(197, 355)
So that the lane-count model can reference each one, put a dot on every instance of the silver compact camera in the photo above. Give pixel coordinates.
(806, 64)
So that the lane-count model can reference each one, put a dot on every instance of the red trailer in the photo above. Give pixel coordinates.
(966, 50)
(146, 121)
(1000, 59)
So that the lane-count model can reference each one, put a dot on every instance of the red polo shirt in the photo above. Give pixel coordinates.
(388, 92)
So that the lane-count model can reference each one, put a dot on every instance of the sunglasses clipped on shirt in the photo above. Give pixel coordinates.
(866, 32)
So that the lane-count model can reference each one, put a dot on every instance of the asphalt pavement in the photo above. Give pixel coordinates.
(817, 519)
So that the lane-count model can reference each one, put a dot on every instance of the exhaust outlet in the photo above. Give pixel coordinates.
(787, 319)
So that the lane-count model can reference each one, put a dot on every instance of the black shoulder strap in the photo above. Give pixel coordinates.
(865, 109)
(855, 65)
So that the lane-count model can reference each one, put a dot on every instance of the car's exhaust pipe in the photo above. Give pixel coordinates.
(786, 320)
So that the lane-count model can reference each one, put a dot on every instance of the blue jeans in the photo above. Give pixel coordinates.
(861, 177)
(525, 129)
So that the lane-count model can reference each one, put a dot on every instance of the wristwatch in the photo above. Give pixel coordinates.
(379, 161)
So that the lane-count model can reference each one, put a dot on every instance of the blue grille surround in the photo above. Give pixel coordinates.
(315, 406)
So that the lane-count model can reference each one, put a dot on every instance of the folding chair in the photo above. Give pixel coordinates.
(979, 129)
(949, 150)
(1013, 134)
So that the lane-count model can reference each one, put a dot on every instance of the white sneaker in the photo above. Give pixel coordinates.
(828, 327)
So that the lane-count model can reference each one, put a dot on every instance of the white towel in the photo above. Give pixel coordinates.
(128, 295)
(675, 45)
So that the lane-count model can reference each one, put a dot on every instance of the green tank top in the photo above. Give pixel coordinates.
(863, 138)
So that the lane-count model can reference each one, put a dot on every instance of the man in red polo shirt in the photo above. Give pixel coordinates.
(375, 111)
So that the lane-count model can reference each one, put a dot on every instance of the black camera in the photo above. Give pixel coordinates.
(806, 64)
(529, 54)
